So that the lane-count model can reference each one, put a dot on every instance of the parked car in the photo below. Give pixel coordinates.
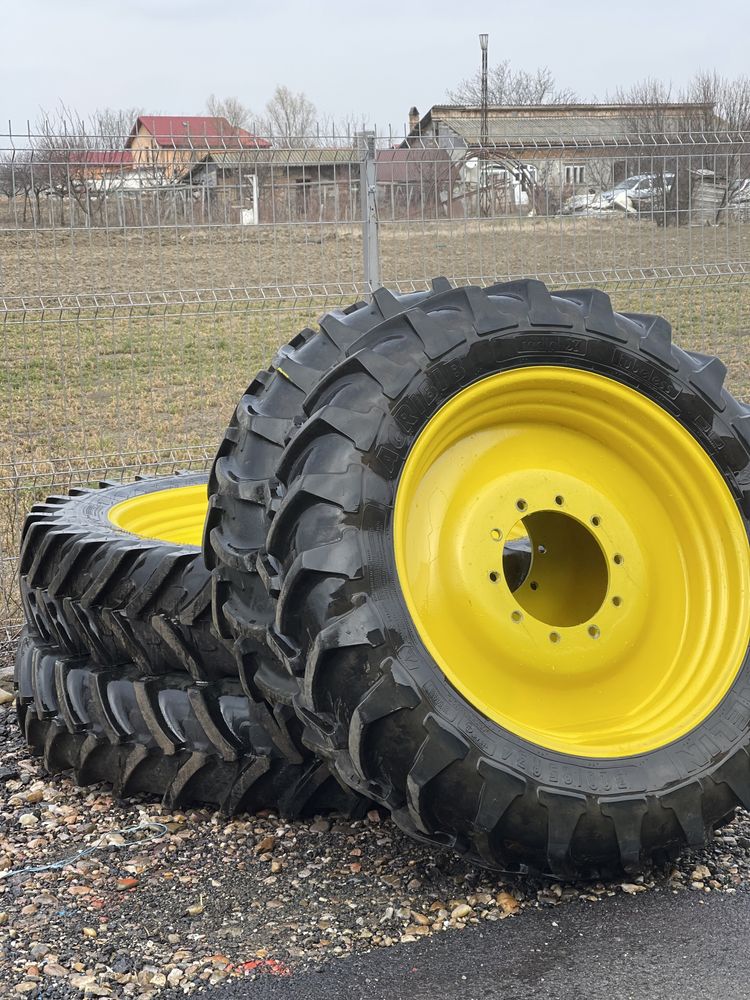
(639, 193)
(598, 204)
(643, 191)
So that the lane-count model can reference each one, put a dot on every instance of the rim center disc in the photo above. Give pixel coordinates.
(568, 576)
(632, 619)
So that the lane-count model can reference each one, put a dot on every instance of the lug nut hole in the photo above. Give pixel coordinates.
(559, 500)
(494, 576)
(617, 601)
(554, 637)
(618, 559)
(594, 631)
(496, 534)
(596, 521)
(516, 616)
(534, 585)
(521, 504)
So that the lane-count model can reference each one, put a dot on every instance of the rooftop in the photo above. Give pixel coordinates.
(564, 124)
(195, 132)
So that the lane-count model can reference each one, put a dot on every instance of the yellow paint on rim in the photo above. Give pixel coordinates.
(172, 515)
(634, 618)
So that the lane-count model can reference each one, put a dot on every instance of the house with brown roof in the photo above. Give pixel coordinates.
(555, 149)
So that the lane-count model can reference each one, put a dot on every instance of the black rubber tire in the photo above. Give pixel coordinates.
(92, 589)
(374, 702)
(206, 744)
(243, 488)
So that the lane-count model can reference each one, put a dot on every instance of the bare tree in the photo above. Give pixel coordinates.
(727, 104)
(342, 130)
(7, 176)
(729, 100)
(58, 163)
(665, 123)
(23, 182)
(652, 104)
(16, 178)
(110, 127)
(514, 87)
(290, 118)
(236, 113)
(26, 182)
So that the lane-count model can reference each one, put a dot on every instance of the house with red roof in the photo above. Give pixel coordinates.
(101, 163)
(173, 144)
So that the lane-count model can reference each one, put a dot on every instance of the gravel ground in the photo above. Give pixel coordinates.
(210, 901)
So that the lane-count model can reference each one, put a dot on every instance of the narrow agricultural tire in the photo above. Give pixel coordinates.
(464, 703)
(96, 582)
(205, 744)
(243, 487)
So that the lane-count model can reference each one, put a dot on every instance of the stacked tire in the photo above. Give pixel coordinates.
(478, 555)
(119, 674)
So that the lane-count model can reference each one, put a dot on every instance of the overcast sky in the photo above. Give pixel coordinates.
(374, 59)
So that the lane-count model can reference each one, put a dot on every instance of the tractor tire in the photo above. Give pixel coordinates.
(117, 574)
(243, 487)
(204, 744)
(591, 718)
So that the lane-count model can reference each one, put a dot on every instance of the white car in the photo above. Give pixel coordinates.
(641, 190)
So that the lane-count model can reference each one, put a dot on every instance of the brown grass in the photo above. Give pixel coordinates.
(87, 387)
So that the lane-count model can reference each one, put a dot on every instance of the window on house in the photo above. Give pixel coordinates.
(575, 174)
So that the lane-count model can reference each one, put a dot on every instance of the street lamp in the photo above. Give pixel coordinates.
(484, 207)
(483, 41)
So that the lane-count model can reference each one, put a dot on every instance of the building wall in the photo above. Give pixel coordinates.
(147, 153)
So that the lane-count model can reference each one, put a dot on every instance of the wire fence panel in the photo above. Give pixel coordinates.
(143, 283)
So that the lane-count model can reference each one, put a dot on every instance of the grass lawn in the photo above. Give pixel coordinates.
(93, 386)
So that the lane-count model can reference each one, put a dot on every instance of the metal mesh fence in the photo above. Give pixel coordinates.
(143, 285)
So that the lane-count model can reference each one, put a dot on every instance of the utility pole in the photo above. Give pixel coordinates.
(484, 194)
(483, 41)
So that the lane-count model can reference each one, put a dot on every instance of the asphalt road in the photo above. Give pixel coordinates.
(656, 946)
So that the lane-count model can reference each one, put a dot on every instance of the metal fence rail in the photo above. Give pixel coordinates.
(139, 294)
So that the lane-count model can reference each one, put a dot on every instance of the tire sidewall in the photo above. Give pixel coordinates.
(91, 510)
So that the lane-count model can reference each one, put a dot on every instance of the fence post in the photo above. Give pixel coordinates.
(369, 207)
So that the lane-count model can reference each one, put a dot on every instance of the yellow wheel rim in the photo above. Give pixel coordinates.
(633, 620)
(173, 515)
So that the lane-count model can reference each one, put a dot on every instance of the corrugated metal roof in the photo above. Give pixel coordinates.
(562, 125)
(307, 158)
(311, 157)
(393, 166)
(337, 158)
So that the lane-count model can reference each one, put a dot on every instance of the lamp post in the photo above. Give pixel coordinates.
(483, 40)
(484, 200)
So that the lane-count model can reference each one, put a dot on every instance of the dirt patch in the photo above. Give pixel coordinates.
(208, 900)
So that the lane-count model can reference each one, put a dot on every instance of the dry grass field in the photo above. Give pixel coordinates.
(275, 261)
(129, 348)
